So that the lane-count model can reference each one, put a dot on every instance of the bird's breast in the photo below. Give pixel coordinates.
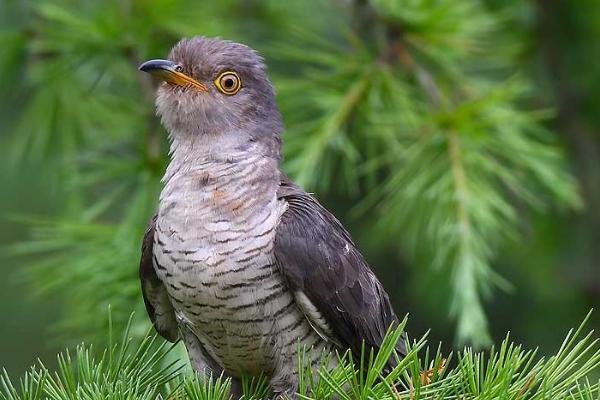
(213, 250)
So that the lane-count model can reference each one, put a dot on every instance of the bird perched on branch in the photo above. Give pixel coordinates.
(239, 262)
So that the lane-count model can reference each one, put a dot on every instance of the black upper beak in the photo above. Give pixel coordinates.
(154, 65)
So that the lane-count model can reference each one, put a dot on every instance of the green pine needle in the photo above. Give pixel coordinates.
(131, 369)
(413, 110)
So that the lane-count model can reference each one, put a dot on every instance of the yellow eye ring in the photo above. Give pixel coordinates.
(228, 83)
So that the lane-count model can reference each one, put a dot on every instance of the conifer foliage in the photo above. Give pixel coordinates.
(140, 369)
(411, 109)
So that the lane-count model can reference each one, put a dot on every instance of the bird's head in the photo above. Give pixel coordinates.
(216, 90)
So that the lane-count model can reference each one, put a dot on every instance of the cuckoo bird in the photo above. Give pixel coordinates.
(239, 262)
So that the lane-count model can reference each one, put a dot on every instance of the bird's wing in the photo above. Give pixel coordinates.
(155, 295)
(319, 260)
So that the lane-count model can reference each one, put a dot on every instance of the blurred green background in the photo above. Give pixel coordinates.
(458, 140)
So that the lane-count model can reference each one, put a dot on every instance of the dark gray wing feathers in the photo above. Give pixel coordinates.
(155, 295)
(317, 256)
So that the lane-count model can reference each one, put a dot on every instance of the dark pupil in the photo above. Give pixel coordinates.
(228, 83)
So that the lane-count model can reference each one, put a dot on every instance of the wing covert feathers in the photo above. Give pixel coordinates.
(317, 256)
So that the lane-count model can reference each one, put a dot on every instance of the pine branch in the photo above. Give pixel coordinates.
(467, 305)
(142, 370)
(472, 323)
(406, 108)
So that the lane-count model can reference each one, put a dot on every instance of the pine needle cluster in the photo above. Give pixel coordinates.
(411, 109)
(142, 370)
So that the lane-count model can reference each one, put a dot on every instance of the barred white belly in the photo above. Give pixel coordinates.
(226, 289)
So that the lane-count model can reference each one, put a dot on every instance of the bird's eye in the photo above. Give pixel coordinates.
(228, 83)
(179, 68)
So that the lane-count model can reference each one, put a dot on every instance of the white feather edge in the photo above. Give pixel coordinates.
(315, 318)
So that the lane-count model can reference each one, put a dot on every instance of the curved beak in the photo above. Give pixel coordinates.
(168, 71)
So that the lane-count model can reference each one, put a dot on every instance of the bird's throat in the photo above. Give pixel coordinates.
(219, 177)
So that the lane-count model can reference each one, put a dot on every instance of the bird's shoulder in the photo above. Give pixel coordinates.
(303, 207)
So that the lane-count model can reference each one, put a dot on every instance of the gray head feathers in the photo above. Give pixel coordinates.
(249, 117)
